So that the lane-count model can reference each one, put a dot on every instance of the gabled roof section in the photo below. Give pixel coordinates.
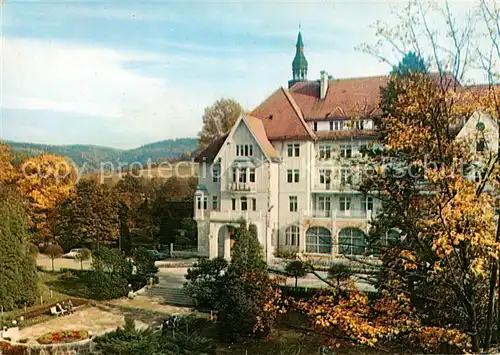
(210, 152)
(256, 126)
(282, 117)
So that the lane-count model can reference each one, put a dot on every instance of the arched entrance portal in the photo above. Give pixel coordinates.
(226, 241)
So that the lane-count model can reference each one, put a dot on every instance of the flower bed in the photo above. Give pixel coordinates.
(64, 336)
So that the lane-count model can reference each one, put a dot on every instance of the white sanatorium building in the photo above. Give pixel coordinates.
(286, 167)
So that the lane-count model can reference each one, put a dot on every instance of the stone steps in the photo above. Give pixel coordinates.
(170, 295)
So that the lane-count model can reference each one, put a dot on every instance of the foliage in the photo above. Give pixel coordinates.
(44, 182)
(218, 119)
(296, 269)
(18, 273)
(206, 281)
(129, 340)
(91, 216)
(145, 264)
(83, 254)
(54, 251)
(7, 171)
(340, 272)
(446, 219)
(112, 273)
(410, 63)
(348, 314)
(247, 251)
(63, 336)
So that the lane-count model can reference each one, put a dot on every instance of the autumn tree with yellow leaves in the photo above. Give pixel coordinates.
(45, 181)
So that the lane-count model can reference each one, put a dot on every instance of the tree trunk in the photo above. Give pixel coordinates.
(81, 264)
(296, 280)
(52, 264)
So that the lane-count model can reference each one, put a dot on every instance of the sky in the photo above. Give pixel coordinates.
(127, 73)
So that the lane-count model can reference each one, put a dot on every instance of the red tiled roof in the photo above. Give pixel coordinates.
(281, 117)
(344, 97)
(256, 126)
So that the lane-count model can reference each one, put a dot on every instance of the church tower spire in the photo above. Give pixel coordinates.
(299, 64)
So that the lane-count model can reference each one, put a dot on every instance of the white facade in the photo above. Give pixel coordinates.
(301, 199)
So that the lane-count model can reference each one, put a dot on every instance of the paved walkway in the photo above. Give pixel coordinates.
(91, 319)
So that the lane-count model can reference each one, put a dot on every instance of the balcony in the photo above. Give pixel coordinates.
(337, 214)
(227, 215)
(333, 187)
(241, 186)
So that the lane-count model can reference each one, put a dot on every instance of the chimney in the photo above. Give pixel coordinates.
(323, 84)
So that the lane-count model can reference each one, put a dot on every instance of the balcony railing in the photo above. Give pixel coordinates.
(228, 215)
(241, 186)
(358, 214)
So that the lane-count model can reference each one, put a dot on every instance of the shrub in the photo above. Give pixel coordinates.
(112, 274)
(145, 264)
(340, 272)
(286, 252)
(296, 269)
(83, 255)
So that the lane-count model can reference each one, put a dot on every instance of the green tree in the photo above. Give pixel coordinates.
(83, 254)
(206, 281)
(112, 273)
(410, 63)
(54, 251)
(145, 264)
(90, 216)
(18, 274)
(340, 272)
(296, 269)
(218, 119)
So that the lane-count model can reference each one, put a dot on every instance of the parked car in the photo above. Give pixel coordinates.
(157, 255)
(72, 253)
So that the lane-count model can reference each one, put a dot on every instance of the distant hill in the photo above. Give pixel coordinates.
(92, 156)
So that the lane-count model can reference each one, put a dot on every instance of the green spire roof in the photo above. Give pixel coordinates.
(299, 64)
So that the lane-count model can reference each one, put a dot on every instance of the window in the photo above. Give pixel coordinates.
(233, 204)
(345, 151)
(392, 236)
(362, 148)
(215, 203)
(293, 175)
(481, 145)
(292, 235)
(293, 203)
(324, 206)
(296, 148)
(244, 204)
(341, 125)
(336, 125)
(215, 174)
(243, 175)
(205, 202)
(367, 204)
(198, 202)
(331, 125)
(352, 241)
(345, 203)
(244, 150)
(318, 240)
(235, 178)
(293, 149)
(325, 151)
(252, 175)
(345, 176)
(254, 204)
(315, 126)
(360, 124)
(325, 176)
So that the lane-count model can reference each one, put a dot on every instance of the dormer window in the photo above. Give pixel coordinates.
(315, 126)
(360, 124)
(331, 125)
(244, 150)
